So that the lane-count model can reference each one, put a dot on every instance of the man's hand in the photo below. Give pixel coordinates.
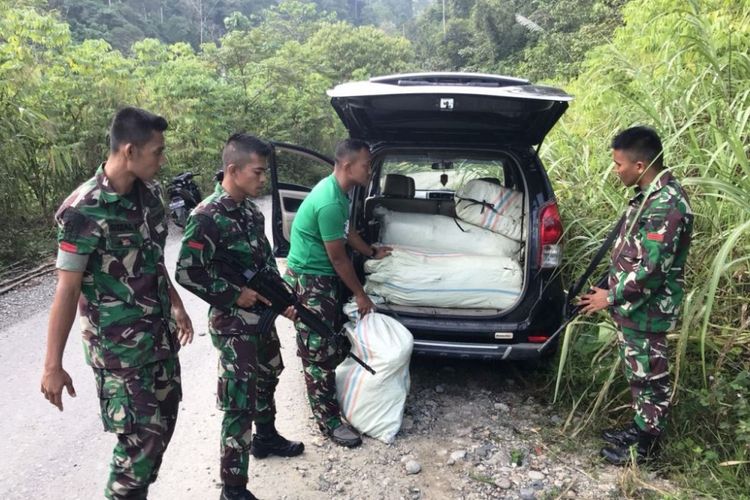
(184, 325)
(248, 297)
(364, 305)
(382, 251)
(596, 300)
(290, 313)
(53, 381)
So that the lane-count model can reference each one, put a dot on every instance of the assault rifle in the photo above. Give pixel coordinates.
(268, 283)
(571, 312)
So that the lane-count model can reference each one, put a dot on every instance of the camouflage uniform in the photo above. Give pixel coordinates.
(129, 335)
(320, 355)
(646, 287)
(249, 364)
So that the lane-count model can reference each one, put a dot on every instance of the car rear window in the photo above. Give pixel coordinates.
(442, 174)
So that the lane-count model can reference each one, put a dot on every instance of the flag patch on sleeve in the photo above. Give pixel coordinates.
(196, 245)
(655, 236)
(66, 246)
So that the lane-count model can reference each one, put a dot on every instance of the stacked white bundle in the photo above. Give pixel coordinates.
(492, 207)
(438, 233)
(412, 277)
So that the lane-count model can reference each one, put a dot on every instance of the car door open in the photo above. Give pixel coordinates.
(294, 172)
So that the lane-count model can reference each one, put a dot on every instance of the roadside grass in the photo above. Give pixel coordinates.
(694, 88)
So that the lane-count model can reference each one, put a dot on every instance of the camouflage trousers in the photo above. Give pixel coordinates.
(644, 357)
(249, 369)
(139, 405)
(320, 355)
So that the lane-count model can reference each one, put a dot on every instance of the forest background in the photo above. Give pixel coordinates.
(215, 66)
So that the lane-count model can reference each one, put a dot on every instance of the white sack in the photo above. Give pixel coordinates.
(374, 404)
(492, 207)
(412, 278)
(441, 234)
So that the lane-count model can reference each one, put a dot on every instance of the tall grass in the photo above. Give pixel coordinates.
(685, 70)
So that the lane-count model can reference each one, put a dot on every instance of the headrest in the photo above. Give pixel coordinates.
(398, 186)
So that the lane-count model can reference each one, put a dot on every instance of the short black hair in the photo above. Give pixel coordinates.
(134, 126)
(348, 147)
(240, 146)
(641, 144)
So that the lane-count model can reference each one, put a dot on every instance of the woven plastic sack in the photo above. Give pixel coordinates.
(487, 205)
(374, 404)
(438, 233)
(413, 278)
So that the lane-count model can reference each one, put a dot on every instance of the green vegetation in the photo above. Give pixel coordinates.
(264, 66)
(57, 96)
(684, 68)
(516, 457)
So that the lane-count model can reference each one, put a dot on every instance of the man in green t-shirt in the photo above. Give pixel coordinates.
(316, 264)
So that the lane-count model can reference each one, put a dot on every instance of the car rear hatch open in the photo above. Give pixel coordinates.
(463, 108)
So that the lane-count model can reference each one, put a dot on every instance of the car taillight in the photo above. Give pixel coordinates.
(537, 339)
(550, 234)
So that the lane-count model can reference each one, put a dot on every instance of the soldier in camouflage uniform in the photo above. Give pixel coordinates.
(646, 287)
(224, 236)
(111, 255)
(316, 264)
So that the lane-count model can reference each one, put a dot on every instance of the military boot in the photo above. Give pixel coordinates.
(345, 435)
(621, 437)
(645, 449)
(236, 493)
(274, 444)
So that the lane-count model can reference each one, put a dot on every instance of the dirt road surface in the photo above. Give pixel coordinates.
(471, 430)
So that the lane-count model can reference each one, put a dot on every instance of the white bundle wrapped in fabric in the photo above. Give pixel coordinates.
(441, 234)
(492, 207)
(410, 277)
(374, 404)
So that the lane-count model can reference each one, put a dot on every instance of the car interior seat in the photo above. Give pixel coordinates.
(398, 186)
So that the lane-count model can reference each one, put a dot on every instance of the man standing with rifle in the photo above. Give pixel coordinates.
(224, 238)
(646, 287)
(317, 263)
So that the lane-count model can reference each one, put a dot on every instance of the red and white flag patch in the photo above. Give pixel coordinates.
(66, 246)
(655, 236)
(196, 245)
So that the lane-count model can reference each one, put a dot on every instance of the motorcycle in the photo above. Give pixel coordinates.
(184, 196)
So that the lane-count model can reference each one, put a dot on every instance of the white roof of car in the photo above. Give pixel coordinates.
(425, 83)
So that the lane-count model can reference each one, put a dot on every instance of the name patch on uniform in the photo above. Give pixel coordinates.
(197, 245)
(117, 227)
(66, 246)
(655, 236)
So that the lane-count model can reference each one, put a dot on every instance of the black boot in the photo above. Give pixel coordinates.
(645, 449)
(345, 435)
(236, 493)
(621, 437)
(267, 441)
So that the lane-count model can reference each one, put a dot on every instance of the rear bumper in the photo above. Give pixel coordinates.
(465, 350)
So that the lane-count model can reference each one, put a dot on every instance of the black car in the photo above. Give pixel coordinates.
(429, 133)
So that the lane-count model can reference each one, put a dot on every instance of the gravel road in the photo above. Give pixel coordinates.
(470, 431)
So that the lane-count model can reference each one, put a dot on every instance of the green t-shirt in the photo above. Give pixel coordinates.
(322, 216)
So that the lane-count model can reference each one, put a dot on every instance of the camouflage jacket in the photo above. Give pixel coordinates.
(646, 283)
(118, 244)
(223, 239)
